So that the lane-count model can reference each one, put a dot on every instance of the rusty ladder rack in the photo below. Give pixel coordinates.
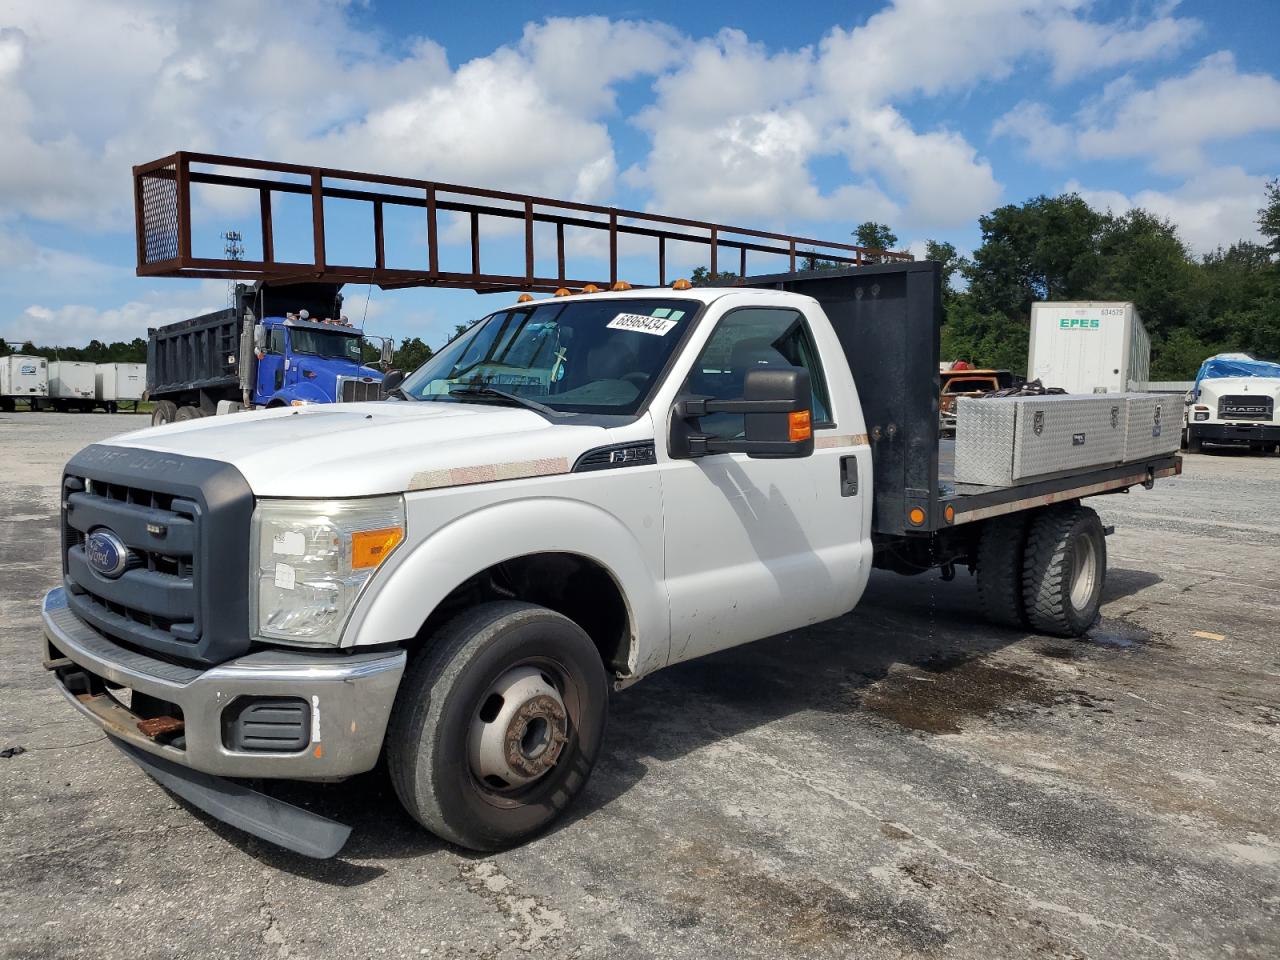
(163, 209)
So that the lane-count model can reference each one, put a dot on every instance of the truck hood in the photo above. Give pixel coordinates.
(362, 449)
(1216, 387)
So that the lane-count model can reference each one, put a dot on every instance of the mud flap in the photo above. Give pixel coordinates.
(256, 813)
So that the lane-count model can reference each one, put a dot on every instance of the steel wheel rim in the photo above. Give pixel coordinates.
(519, 730)
(1084, 570)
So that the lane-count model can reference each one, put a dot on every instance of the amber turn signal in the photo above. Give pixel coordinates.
(799, 426)
(370, 547)
(916, 516)
(949, 513)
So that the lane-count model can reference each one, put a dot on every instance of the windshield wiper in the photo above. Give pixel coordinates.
(486, 391)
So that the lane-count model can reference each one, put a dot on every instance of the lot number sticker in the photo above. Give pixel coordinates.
(639, 323)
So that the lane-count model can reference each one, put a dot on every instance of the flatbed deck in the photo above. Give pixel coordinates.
(971, 503)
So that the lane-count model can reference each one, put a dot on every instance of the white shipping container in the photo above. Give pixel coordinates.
(1088, 347)
(121, 381)
(71, 380)
(24, 377)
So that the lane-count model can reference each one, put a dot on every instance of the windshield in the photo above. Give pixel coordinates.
(325, 343)
(580, 356)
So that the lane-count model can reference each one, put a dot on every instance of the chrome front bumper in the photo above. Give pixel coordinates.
(350, 698)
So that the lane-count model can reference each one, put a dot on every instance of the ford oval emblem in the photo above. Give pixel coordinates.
(107, 554)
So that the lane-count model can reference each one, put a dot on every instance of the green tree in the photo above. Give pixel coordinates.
(952, 263)
(411, 354)
(4, 348)
(876, 236)
(1269, 219)
(1044, 249)
(702, 277)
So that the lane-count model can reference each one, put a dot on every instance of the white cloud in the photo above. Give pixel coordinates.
(1170, 123)
(74, 325)
(1049, 143)
(1079, 47)
(1214, 208)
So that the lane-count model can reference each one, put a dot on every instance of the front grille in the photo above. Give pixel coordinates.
(357, 389)
(1244, 407)
(181, 591)
(155, 598)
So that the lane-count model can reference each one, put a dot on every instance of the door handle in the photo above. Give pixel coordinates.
(849, 475)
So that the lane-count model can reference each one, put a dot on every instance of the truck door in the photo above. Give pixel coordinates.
(271, 366)
(757, 547)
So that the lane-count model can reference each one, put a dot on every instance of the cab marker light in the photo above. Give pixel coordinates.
(682, 284)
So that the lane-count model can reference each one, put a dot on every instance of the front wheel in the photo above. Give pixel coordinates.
(498, 724)
(1064, 567)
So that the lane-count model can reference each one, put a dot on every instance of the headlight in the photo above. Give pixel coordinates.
(312, 558)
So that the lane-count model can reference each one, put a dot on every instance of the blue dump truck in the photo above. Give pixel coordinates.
(275, 346)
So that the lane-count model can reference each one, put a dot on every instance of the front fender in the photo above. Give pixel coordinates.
(402, 596)
(303, 390)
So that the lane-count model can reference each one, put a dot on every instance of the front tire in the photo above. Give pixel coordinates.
(498, 724)
(1064, 567)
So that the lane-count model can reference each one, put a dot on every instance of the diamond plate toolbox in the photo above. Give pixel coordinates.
(1153, 425)
(1014, 439)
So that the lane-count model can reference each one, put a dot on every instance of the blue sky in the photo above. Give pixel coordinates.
(808, 117)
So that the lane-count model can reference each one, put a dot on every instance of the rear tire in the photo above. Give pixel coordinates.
(164, 411)
(1000, 550)
(188, 413)
(7, 405)
(1064, 567)
(451, 733)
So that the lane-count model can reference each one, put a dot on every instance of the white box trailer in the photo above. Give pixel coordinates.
(119, 383)
(72, 384)
(1088, 347)
(23, 378)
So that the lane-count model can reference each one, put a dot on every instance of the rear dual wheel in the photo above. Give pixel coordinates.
(1045, 572)
(498, 724)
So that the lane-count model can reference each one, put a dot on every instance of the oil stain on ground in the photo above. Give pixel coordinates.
(939, 696)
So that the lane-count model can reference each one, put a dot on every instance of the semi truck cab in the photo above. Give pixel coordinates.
(303, 361)
(1234, 403)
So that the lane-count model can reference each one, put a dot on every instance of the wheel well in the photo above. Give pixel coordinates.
(572, 585)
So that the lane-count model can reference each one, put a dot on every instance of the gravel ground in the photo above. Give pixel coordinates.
(904, 781)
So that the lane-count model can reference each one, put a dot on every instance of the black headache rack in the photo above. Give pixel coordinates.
(888, 318)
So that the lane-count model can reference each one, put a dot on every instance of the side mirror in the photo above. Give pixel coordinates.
(388, 350)
(260, 337)
(391, 380)
(776, 415)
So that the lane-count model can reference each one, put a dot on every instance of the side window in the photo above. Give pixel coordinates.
(275, 343)
(754, 339)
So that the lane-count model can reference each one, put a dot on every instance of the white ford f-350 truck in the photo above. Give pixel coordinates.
(577, 492)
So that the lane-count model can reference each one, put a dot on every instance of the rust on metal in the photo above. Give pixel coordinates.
(163, 208)
(159, 726)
